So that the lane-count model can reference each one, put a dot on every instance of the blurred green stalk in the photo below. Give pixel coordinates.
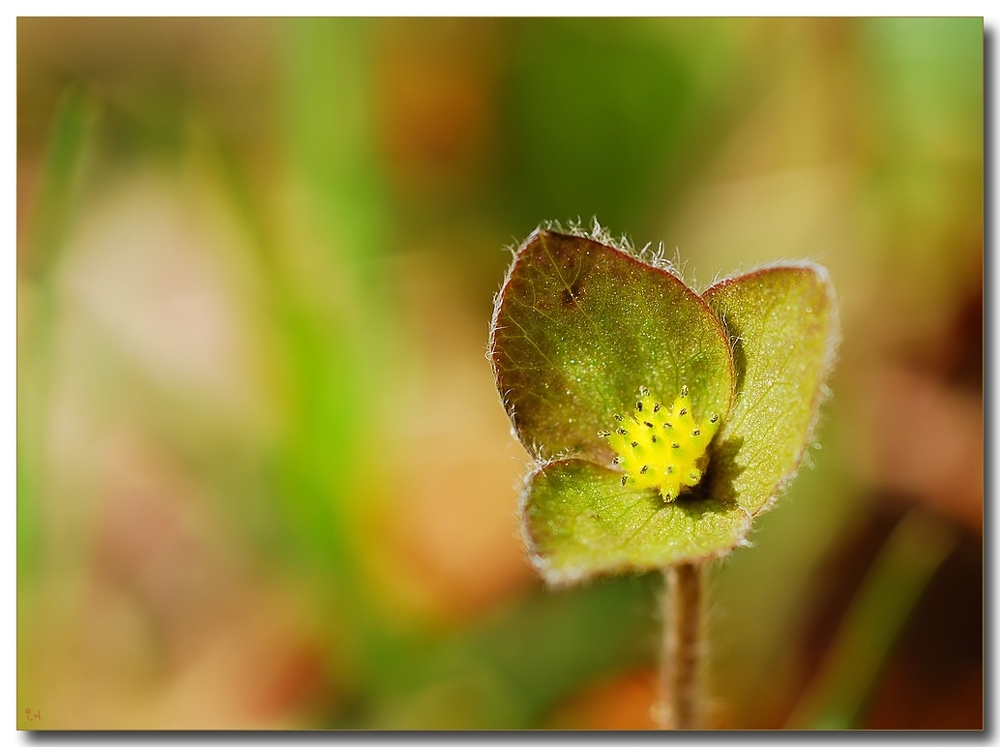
(862, 645)
(58, 201)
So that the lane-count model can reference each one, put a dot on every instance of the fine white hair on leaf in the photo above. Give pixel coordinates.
(595, 232)
(659, 260)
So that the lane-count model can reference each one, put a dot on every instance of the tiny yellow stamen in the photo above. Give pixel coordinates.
(667, 464)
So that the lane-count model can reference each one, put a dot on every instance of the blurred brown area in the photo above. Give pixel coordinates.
(264, 478)
(619, 704)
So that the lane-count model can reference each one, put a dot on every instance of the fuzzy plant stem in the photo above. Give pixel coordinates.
(680, 668)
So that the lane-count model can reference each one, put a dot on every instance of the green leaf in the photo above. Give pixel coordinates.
(580, 521)
(580, 326)
(783, 325)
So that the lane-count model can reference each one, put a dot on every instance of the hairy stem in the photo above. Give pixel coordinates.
(680, 667)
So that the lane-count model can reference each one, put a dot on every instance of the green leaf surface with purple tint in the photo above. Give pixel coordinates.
(782, 322)
(579, 326)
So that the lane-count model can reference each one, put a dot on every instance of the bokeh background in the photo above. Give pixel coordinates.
(264, 479)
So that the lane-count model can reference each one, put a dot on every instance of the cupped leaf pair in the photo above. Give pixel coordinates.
(661, 421)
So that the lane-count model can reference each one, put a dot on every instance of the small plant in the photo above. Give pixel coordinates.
(662, 421)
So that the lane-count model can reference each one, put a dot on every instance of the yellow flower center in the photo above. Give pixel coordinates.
(660, 447)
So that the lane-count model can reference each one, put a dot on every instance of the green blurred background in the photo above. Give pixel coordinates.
(264, 479)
